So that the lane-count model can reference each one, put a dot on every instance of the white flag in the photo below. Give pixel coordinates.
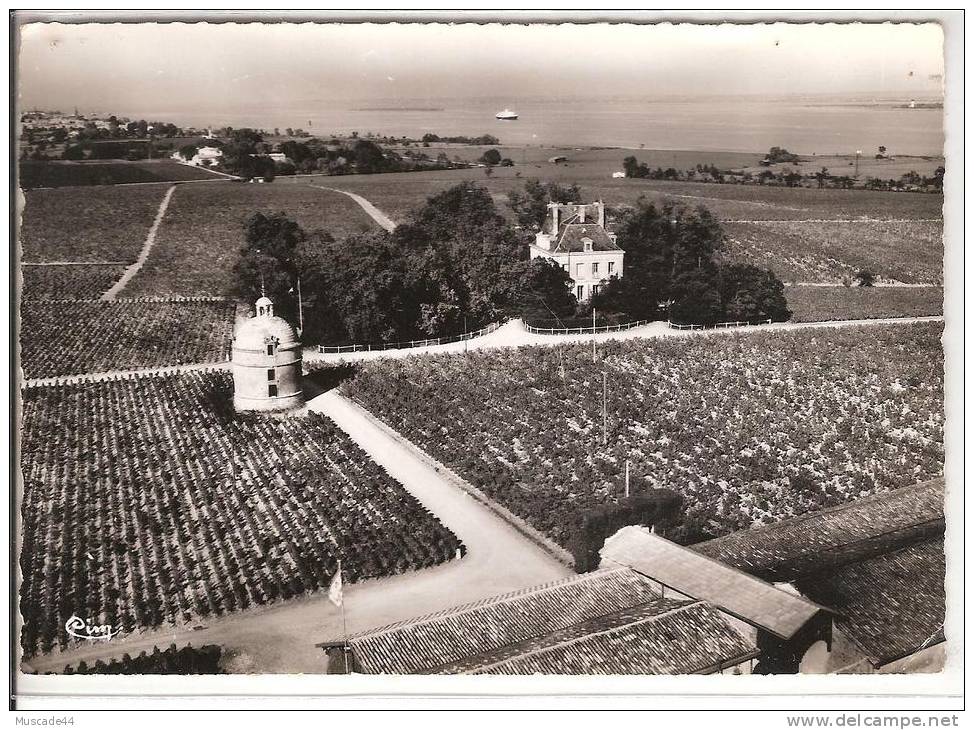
(335, 589)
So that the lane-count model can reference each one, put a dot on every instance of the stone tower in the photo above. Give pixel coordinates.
(266, 363)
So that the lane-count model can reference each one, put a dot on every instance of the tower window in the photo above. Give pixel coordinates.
(272, 390)
(271, 376)
(271, 347)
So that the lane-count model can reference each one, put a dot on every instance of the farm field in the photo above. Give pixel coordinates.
(905, 251)
(148, 502)
(399, 193)
(69, 282)
(57, 174)
(824, 303)
(829, 415)
(76, 337)
(203, 229)
(89, 223)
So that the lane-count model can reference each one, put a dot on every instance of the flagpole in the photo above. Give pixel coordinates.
(344, 626)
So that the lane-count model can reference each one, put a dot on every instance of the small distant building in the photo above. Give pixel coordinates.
(278, 156)
(204, 157)
(574, 236)
(618, 174)
(266, 363)
(558, 158)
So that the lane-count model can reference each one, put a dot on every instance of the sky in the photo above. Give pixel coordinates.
(178, 66)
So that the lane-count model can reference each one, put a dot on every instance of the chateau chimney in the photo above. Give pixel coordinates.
(554, 218)
(601, 209)
(581, 213)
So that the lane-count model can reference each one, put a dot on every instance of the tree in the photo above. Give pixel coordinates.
(239, 154)
(865, 277)
(630, 165)
(696, 298)
(752, 294)
(544, 291)
(822, 177)
(530, 205)
(491, 157)
(268, 262)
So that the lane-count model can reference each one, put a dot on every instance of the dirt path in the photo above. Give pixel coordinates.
(281, 638)
(513, 334)
(150, 239)
(377, 215)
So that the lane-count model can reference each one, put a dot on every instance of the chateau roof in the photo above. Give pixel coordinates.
(571, 233)
(609, 622)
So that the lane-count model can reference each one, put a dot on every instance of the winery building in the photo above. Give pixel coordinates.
(575, 237)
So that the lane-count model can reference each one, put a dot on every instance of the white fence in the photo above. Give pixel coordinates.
(584, 330)
(719, 325)
(339, 349)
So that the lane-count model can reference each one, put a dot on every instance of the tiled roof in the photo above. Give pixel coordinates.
(606, 622)
(692, 574)
(836, 536)
(570, 237)
(660, 637)
(891, 605)
(431, 641)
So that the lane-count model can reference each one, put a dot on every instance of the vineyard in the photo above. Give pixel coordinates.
(187, 660)
(148, 502)
(826, 303)
(74, 337)
(67, 174)
(908, 251)
(203, 230)
(88, 224)
(69, 282)
(749, 428)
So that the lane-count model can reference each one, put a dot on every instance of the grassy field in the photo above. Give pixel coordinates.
(399, 193)
(69, 282)
(822, 303)
(88, 223)
(911, 252)
(198, 240)
(113, 172)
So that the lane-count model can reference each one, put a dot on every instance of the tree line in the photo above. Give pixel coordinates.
(458, 265)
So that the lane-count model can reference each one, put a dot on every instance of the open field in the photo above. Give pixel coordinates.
(88, 223)
(824, 303)
(906, 251)
(399, 193)
(57, 174)
(69, 282)
(830, 415)
(68, 338)
(197, 242)
(148, 502)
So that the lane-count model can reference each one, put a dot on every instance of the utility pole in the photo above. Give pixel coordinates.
(858, 154)
(465, 339)
(593, 334)
(605, 413)
(300, 310)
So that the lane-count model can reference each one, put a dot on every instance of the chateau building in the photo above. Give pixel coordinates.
(266, 363)
(574, 236)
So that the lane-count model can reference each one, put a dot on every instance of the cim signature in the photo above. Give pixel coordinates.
(85, 629)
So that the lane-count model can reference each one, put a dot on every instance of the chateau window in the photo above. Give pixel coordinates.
(578, 271)
(272, 390)
(587, 244)
(595, 269)
(595, 289)
(612, 266)
(271, 376)
(580, 293)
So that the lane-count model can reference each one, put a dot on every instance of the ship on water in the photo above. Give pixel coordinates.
(507, 115)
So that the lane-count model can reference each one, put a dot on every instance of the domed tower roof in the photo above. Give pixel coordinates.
(252, 334)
